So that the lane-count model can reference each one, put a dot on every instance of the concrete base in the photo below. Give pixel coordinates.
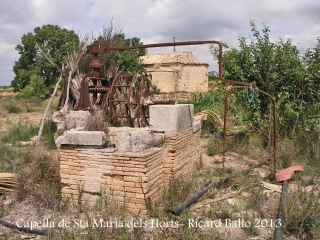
(171, 117)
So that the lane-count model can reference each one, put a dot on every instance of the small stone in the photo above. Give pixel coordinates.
(231, 201)
(48, 216)
(218, 213)
(7, 202)
(27, 237)
(309, 189)
(246, 194)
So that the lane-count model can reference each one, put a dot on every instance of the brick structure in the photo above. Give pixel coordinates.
(177, 72)
(135, 175)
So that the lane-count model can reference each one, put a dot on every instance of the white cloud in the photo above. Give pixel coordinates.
(160, 21)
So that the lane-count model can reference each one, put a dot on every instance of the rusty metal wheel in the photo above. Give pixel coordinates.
(118, 100)
(141, 95)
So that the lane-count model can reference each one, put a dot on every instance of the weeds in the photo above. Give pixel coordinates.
(302, 211)
(12, 108)
(98, 122)
(39, 179)
(177, 192)
(19, 132)
(48, 135)
(16, 104)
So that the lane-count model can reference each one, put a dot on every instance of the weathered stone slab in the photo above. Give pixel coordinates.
(171, 117)
(141, 140)
(84, 138)
(77, 119)
(196, 126)
(124, 142)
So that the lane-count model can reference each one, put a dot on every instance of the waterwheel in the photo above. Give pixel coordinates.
(141, 96)
(128, 99)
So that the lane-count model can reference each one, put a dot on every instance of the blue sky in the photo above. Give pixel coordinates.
(156, 21)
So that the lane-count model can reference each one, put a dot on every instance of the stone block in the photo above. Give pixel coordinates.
(124, 142)
(84, 138)
(141, 140)
(113, 134)
(77, 119)
(196, 126)
(171, 117)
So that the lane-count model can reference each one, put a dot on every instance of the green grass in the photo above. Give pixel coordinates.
(16, 104)
(12, 108)
(19, 132)
(48, 136)
(211, 149)
(5, 87)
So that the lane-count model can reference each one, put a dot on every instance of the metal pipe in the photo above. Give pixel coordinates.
(23, 229)
(96, 48)
(279, 230)
(198, 195)
(194, 198)
(170, 44)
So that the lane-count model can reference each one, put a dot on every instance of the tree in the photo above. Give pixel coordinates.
(55, 42)
(312, 87)
(312, 63)
(279, 70)
(129, 60)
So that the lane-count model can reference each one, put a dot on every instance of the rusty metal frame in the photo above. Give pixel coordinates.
(187, 43)
(274, 121)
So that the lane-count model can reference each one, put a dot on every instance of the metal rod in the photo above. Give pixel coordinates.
(187, 43)
(96, 48)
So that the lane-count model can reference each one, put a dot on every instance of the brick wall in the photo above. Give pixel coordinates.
(128, 177)
(182, 151)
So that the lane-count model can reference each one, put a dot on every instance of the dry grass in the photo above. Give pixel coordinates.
(302, 211)
(98, 122)
(39, 179)
(14, 104)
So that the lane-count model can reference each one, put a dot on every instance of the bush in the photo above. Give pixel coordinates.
(35, 88)
(211, 149)
(155, 89)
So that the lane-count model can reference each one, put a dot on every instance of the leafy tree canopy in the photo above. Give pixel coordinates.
(278, 69)
(55, 42)
(129, 60)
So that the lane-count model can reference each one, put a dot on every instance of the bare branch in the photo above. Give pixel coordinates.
(48, 107)
(50, 61)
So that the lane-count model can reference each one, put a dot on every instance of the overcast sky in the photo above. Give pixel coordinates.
(156, 21)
